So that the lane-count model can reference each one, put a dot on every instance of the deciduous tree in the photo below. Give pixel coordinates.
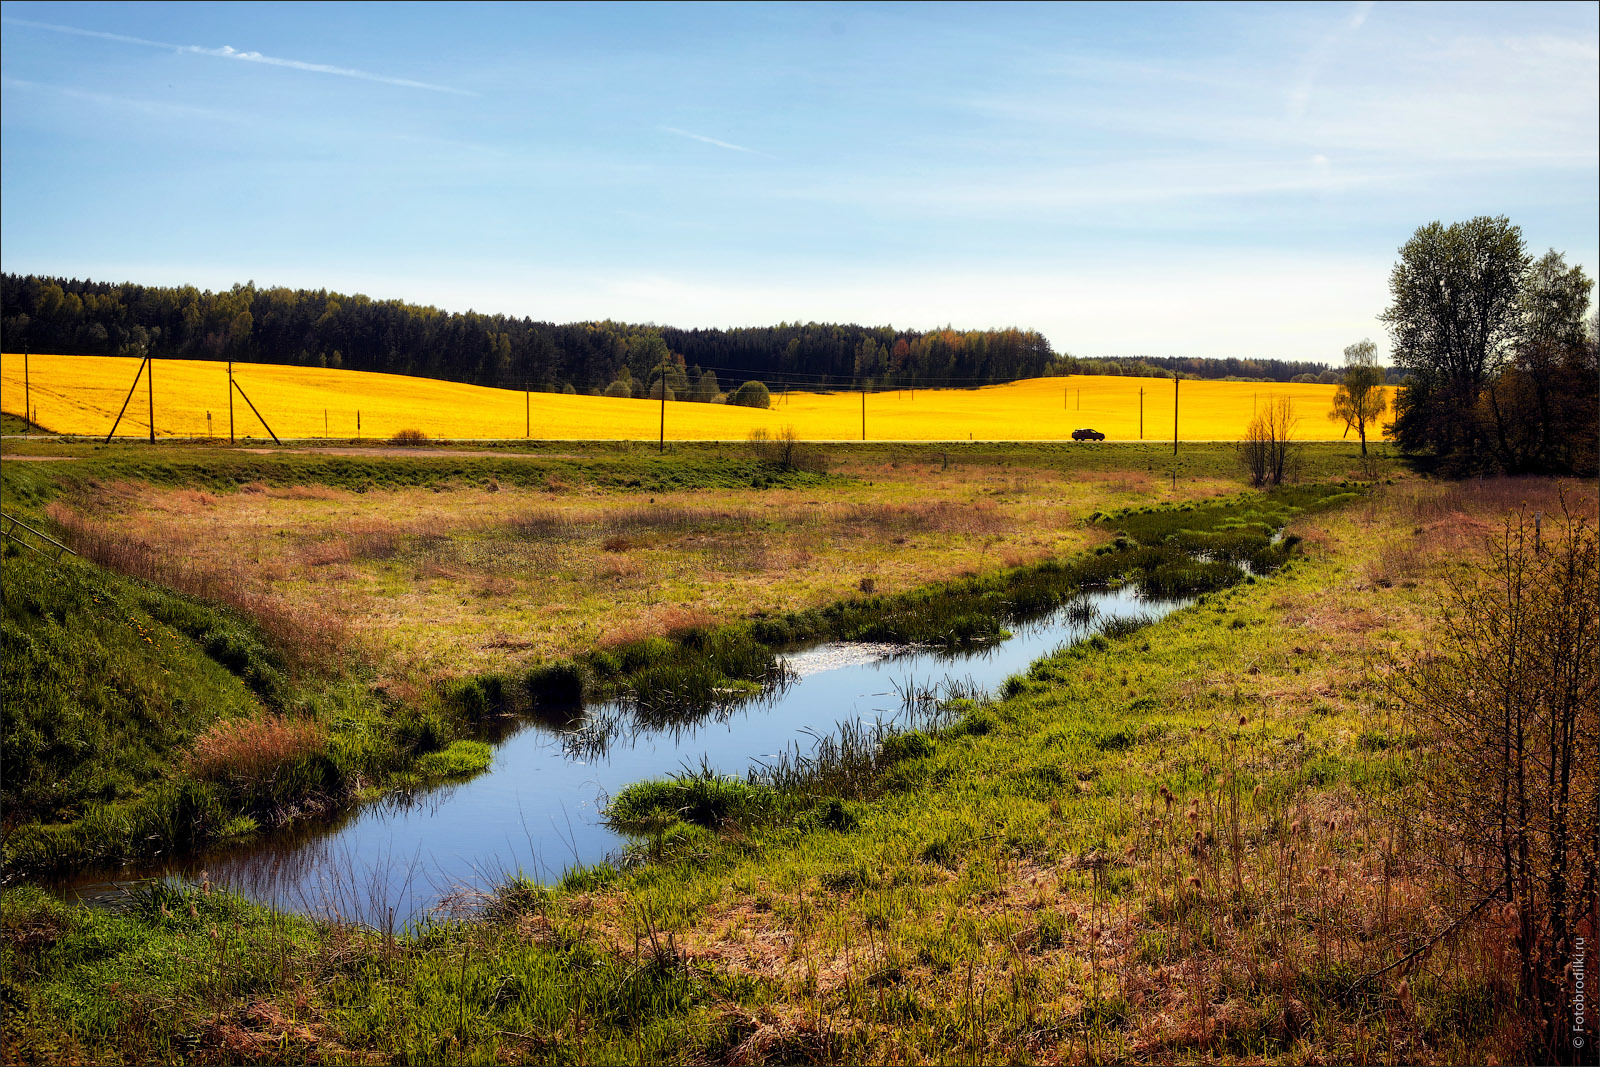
(1359, 400)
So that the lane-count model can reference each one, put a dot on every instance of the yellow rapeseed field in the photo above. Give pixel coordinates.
(82, 394)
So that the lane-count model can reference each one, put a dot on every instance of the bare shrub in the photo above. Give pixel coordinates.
(409, 438)
(251, 753)
(1508, 701)
(786, 451)
(1268, 452)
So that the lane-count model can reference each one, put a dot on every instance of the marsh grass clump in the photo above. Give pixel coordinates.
(1122, 627)
(250, 755)
(701, 798)
(559, 684)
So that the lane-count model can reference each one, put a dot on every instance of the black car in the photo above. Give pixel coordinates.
(1088, 435)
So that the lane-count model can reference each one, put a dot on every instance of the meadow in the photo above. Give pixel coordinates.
(1167, 845)
(82, 395)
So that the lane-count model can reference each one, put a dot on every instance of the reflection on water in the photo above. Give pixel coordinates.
(536, 811)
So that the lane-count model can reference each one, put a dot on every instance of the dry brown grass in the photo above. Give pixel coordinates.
(435, 581)
(252, 752)
(308, 635)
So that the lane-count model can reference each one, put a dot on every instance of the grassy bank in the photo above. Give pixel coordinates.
(1166, 846)
(142, 721)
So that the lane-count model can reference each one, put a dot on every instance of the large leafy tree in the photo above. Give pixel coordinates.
(1454, 320)
(1542, 408)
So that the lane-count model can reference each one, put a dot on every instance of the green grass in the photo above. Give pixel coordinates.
(109, 682)
(1022, 893)
(222, 469)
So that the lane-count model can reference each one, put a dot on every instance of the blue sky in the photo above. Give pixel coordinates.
(1172, 180)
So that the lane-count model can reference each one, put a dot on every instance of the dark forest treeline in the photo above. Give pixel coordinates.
(319, 328)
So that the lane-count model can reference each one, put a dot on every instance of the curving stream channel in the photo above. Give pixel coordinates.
(537, 810)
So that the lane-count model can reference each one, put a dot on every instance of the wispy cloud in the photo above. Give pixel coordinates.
(229, 52)
(150, 107)
(710, 140)
(1321, 55)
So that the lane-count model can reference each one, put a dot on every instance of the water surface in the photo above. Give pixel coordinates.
(537, 810)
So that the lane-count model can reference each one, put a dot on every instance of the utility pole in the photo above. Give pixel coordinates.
(1141, 413)
(1080, 399)
(150, 387)
(663, 448)
(358, 424)
(527, 410)
(863, 411)
(1065, 392)
(324, 422)
(27, 394)
(230, 402)
(1175, 380)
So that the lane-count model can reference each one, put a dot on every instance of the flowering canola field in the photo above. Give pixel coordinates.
(82, 394)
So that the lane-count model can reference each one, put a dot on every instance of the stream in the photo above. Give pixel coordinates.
(537, 811)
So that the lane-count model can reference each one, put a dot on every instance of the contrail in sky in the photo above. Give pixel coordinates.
(228, 52)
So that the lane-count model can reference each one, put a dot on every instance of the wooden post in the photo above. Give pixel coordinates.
(127, 399)
(324, 423)
(1141, 413)
(257, 413)
(863, 411)
(527, 411)
(150, 390)
(1065, 392)
(663, 447)
(1175, 380)
(27, 394)
(358, 424)
(230, 402)
(1080, 399)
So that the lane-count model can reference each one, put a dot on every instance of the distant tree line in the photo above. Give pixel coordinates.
(1229, 369)
(325, 329)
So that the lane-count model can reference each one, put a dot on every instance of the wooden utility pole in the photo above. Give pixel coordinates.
(527, 410)
(1065, 392)
(27, 394)
(150, 390)
(230, 402)
(863, 411)
(1175, 380)
(358, 424)
(663, 448)
(1080, 399)
(1141, 413)
(324, 423)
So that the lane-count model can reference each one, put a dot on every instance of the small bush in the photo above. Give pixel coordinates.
(751, 395)
(409, 438)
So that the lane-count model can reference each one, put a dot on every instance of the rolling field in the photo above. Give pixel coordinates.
(82, 394)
